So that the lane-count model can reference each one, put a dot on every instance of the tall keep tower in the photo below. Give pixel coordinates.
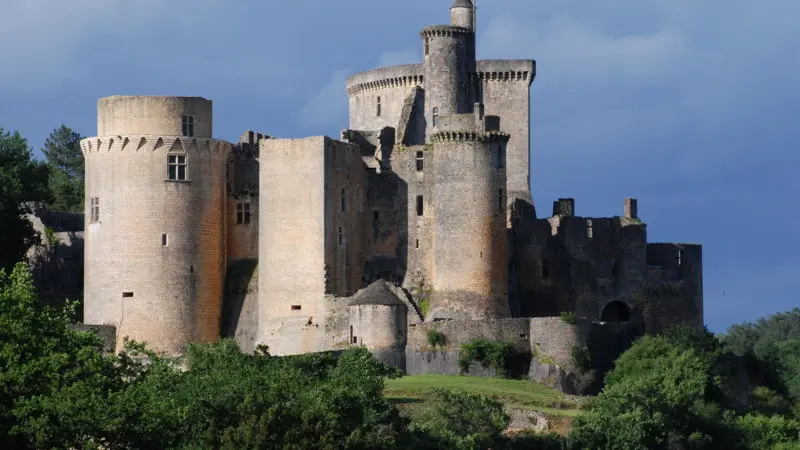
(449, 65)
(155, 229)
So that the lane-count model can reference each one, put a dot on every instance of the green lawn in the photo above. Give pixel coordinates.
(411, 389)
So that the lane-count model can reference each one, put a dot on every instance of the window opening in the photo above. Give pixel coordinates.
(378, 106)
(127, 294)
(420, 205)
(545, 269)
(435, 115)
(501, 157)
(344, 199)
(187, 123)
(296, 307)
(680, 258)
(164, 239)
(589, 230)
(95, 209)
(376, 221)
(176, 165)
(420, 161)
(501, 201)
(341, 235)
(417, 243)
(243, 213)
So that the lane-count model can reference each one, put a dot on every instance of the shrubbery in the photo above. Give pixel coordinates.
(495, 354)
(435, 338)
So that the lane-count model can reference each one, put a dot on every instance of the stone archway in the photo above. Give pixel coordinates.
(616, 311)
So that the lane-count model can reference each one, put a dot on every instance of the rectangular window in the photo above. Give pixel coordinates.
(187, 125)
(376, 223)
(127, 294)
(176, 167)
(435, 115)
(344, 199)
(340, 237)
(420, 161)
(501, 157)
(378, 107)
(589, 230)
(296, 307)
(242, 213)
(94, 204)
(164, 239)
(501, 200)
(420, 205)
(680, 258)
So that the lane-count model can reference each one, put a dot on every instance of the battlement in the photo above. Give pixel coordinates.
(466, 136)
(506, 70)
(444, 31)
(148, 143)
(252, 137)
(385, 77)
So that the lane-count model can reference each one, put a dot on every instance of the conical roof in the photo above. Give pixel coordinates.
(377, 293)
(462, 4)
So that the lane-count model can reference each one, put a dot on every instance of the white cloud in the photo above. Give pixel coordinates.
(328, 108)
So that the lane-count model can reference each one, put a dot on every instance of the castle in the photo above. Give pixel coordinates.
(418, 217)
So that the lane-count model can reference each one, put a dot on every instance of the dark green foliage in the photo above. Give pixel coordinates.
(21, 180)
(459, 420)
(495, 354)
(568, 317)
(435, 338)
(65, 159)
(582, 358)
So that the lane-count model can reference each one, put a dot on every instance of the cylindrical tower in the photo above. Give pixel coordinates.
(155, 221)
(470, 280)
(449, 72)
(462, 14)
(379, 322)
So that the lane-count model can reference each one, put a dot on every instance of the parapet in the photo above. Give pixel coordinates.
(506, 70)
(564, 207)
(444, 31)
(154, 115)
(631, 208)
(466, 136)
(385, 77)
(150, 143)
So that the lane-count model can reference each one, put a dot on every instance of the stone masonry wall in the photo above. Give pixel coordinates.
(391, 84)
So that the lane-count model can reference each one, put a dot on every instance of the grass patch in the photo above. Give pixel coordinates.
(409, 391)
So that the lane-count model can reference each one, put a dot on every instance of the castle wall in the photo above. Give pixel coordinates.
(505, 92)
(152, 115)
(382, 329)
(552, 339)
(166, 295)
(291, 266)
(240, 305)
(391, 84)
(243, 174)
(242, 238)
(470, 279)
(674, 286)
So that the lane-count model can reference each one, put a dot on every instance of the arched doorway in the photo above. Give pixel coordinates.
(616, 311)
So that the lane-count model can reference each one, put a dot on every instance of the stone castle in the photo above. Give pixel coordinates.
(418, 217)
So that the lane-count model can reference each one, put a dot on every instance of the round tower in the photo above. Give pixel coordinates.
(379, 322)
(155, 228)
(470, 279)
(449, 65)
(462, 14)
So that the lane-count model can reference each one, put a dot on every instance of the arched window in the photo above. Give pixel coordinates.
(616, 311)
(435, 115)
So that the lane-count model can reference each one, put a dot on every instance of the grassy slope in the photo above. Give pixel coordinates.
(411, 389)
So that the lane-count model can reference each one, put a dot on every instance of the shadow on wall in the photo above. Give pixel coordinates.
(240, 304)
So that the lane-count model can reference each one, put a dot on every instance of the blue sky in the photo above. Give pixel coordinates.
(690, 106)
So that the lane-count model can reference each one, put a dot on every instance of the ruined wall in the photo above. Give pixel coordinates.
(674, 286)
(470, 279)
(505, 91)
(154, 261)
(552, 339)
(391, 84)
(291, 243)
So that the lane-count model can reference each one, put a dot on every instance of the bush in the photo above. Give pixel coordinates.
(495, 354)
(582, 358)
(435, 338)
(459, 420)
(568, 317)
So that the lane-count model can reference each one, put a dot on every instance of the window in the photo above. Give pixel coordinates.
(176, 167)
(420, 161)
(680, 258)
(378, 106)
(94, 203)
(341, 236)
(376, 222)
(344, 199)
(427, 46)
(545, 269)
(242, 213)
(501, 200)
(420, 205)
(187, 123)
(164, 239)
(589, 231)
(296, 307)
(501, 157)
(127, 294)
(435, 115)
(417, 243)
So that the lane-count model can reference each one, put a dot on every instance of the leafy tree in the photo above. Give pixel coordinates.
(63, 153)
(21, 180)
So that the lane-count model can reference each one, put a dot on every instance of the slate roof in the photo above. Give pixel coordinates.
(377, 293)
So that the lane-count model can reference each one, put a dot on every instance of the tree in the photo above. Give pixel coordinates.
(63, 152)
(21, 180)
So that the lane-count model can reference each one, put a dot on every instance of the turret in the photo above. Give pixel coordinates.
(462, 14)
